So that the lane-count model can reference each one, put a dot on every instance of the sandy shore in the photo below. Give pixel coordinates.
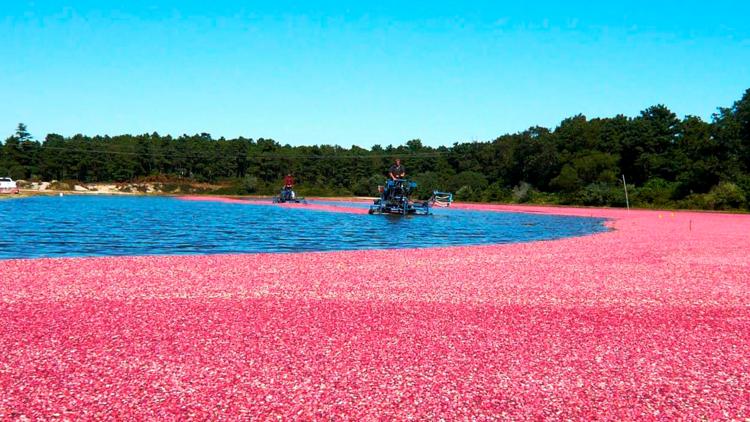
(648, 321)
(125, 188)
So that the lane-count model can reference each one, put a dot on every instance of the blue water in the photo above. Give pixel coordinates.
(51, 226)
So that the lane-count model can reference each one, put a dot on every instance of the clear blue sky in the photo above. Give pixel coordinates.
(361, 73)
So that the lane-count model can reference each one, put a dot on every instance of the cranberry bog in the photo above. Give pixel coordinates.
(648, 320)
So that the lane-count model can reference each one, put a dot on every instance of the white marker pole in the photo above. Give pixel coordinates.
(624, 185)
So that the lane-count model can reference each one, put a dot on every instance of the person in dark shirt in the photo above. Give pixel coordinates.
(397, 170)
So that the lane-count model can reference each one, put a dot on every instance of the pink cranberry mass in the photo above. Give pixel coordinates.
(648, 321)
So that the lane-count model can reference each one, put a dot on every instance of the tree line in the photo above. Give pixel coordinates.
(666, 162)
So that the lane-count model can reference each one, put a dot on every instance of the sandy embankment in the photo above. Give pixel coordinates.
(129, 188)
(648, 321)
(47, 188)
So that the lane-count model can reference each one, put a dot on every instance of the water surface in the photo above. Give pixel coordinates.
(51, 226)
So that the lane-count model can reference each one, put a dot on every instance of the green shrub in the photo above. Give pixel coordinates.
(656, 191)
(476, 181)
(249, 185)
(61, 185)
(744, 183)
(694, 201)
(317, 190)
(427, 183)
(567, 180)
(543, 198)
(233, 189)
(466, 193)
(726, 195)
(600, 194)
(368, 186)
(496, 192)
(521, 192)
(18, 172)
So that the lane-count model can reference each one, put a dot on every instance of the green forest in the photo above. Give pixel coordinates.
(666, 162)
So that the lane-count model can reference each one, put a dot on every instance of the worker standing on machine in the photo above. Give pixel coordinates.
(288, 185)
(396, 172)
(288, 181)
